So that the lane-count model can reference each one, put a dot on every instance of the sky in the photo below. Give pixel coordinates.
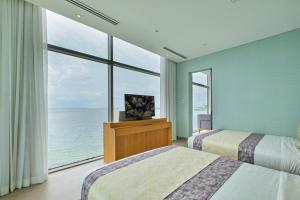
(79, 83)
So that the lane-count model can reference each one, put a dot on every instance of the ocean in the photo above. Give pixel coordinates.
(75, 134)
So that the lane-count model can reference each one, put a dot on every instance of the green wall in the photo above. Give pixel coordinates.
(256, 87)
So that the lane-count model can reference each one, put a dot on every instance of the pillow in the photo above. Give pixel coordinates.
(298, 137)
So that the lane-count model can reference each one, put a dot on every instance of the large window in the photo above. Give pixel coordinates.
(201, 89)
(142, 79)
(80, 85)
(139, 83)
(69, 34)
(130, 54)
(77, 108)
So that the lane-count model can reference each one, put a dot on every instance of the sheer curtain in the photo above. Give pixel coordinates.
(168, 91)
(23, 101)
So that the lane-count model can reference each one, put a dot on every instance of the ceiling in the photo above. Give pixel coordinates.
(190, 27)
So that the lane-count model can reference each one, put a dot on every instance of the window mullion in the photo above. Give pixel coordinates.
(110, 79)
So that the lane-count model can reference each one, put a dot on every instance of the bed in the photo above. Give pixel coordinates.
(275, 152)
(174, 173)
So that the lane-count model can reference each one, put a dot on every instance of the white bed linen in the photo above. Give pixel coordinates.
(275, 152)
(268, 184)
(278, 153)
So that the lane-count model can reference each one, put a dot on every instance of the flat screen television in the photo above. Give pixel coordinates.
(139, 106)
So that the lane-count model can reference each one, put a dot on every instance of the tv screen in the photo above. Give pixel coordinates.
(139, 106)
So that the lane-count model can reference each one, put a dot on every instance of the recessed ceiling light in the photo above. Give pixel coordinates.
(78, 16)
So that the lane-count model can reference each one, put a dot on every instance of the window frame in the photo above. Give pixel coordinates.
(111, 64)
(132, 65)
(208, 88)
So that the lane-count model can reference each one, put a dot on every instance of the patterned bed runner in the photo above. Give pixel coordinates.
(207, 182)
(203, 185)
(153, 178)
(247, 147)
(197, 143)
(91, 178)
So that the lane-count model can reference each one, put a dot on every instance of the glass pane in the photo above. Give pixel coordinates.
(130, 54)
(69, 34)
(131, 82)
(200, 105)
(77, 105)
(200, 78)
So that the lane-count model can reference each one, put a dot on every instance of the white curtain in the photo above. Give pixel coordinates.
(168, 91)
(23, 101)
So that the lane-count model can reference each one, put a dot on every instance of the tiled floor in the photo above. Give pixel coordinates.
(181, 142)
(62, 185)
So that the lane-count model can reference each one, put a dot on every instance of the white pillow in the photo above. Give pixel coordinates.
(298, 137)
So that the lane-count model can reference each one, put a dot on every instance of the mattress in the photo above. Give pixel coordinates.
(275, 152)
(175, 173)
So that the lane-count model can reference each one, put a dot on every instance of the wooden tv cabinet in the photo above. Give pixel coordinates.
(123, 139)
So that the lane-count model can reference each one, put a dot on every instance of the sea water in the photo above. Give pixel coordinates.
(74, 134)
